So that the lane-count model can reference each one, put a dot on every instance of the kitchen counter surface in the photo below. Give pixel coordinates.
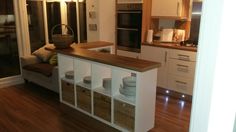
(81, 51)
(171, 46)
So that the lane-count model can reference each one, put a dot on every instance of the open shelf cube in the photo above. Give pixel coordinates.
(82, 69)
(117, 84)
(124, 115)
(100, 72)
(102, 106)
(83, 98)
(66, 64)
(67, 92)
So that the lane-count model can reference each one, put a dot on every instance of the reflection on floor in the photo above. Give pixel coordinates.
(172, 115)
(29, 107)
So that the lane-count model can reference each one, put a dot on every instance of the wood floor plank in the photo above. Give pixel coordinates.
(29, 107)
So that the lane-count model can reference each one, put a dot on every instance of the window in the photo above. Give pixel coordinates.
(9, 58)
(36, 24)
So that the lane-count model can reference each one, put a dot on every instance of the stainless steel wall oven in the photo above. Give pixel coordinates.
(129, 26)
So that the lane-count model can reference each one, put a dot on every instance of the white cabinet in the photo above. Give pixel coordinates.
(166, 8)
(158, 55)
(128, 54)
(110, 106)
(170, 8)
(181, 71)
(177, 67)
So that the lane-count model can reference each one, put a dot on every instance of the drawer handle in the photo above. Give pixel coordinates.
(68, 84)
(181, 82)
(183, 57)
(182, 68)
(177, 9)
(165, 56)
(182, 65)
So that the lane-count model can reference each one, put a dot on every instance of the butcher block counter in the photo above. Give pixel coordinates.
(81, 51)
(126, 102)
(171, 46)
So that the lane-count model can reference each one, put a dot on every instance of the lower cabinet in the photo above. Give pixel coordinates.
(181, 84)
(158, 55)
(68, 93)
(177, 67)
(124, 115)
(84, 98)
(102, 106)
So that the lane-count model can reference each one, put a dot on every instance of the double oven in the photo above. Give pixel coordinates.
(129, 26)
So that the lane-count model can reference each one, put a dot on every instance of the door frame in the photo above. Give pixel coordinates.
(213, 105)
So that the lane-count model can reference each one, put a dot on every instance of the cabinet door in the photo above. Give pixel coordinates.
(181, 68)
(171, 8)
(180, 84)
(158, 55)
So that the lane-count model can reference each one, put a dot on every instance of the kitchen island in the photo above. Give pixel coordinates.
(111, 106)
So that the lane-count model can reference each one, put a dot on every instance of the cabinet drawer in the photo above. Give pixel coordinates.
(183, 55)
(124, 115)
(181, 68)
(180, 84)
(84, 98)
(102, 106)
(68, 93)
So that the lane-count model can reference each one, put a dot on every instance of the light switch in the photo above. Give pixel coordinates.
(93, 27)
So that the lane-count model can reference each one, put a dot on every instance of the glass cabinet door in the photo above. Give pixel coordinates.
(9, 57)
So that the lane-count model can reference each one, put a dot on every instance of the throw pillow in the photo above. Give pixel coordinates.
(53, 59)
(43, 54)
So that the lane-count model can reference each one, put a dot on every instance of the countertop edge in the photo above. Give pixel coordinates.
(171, 46)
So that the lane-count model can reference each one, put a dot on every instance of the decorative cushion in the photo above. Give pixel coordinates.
(42, 68)
(43, 54)
(53, 59)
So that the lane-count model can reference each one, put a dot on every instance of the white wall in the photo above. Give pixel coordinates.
(92, 6)
(213, 106)
(106, 14)
(104, 18)
(235, 124)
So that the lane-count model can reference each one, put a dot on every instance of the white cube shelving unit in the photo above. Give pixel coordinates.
(109, 106)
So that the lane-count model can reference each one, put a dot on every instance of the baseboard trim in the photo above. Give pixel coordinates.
(10, 81)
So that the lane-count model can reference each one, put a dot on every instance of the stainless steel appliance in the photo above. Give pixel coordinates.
(195, 25)
(129, 24)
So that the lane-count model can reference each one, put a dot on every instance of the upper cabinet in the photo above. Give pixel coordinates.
(177, 9)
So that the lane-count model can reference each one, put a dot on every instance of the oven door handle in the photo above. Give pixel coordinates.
(134, 12)
(128, 29)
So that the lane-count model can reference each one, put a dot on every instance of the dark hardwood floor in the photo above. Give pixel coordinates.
(30, 108)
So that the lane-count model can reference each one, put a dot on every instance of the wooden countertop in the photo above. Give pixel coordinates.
(91, 45)
(81, 51)
(171, 46)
